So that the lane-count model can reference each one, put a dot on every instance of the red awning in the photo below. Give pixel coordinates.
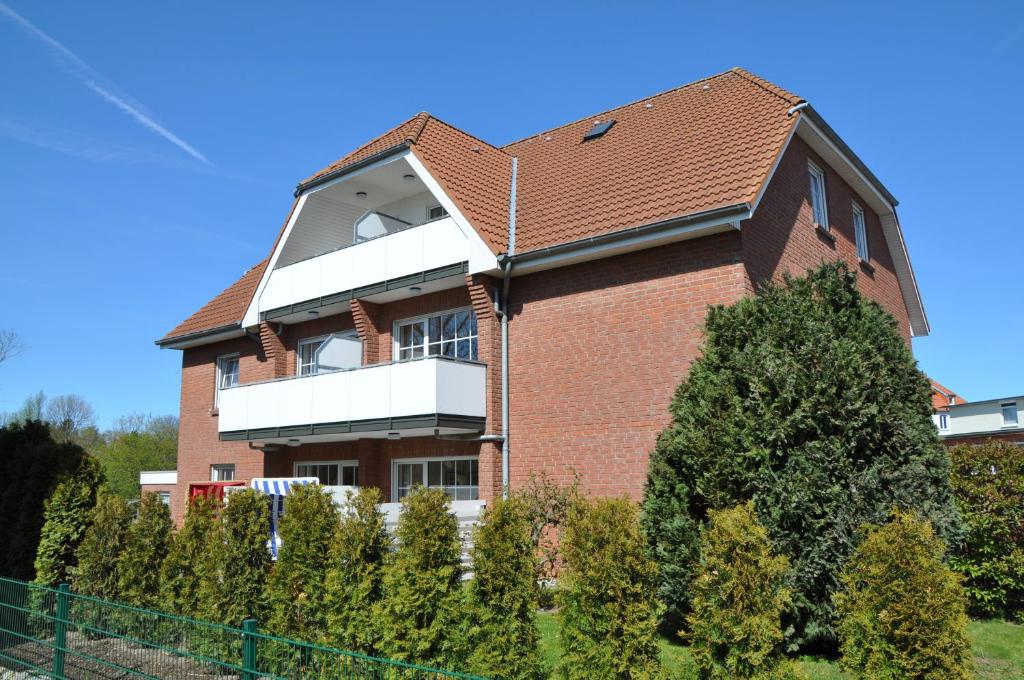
(210, 489)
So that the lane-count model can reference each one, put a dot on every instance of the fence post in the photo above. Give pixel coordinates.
(249, 664)
(60, 629)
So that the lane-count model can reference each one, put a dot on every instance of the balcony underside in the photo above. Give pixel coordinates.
(379, 428)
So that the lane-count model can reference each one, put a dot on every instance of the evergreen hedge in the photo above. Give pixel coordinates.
(354, 580)
(422, 592)
(67, 514)
(988, 482)
(146, 546)
(807, 400)
(295, 590)
(502, 596)
(902, 611)
(188, 568)
(237, 590)
(738, 600)
(608, 596)
(102, 544)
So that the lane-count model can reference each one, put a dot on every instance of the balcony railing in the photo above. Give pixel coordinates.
(405, 398)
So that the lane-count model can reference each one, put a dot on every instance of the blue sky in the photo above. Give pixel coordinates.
(148, 150)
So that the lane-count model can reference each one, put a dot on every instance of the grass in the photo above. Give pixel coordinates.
(998, 652)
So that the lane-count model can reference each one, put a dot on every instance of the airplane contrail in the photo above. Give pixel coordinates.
(91, 78)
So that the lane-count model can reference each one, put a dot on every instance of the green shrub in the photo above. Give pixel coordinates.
(32, 463)
(988, 483)
(188, 567)
(808, 401)
(354, 581)
(238, 588)
(67, 514)
(738, 600)
(145, 549)
(104, 540)
(295, 590)
(502, 596)
(902, 611)
(609, 606)
(422, 595)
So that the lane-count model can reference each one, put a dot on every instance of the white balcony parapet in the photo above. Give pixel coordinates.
(434, 246)
(412, 398)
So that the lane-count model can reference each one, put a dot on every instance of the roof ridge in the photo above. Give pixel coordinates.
(767, 85)
(616, 108)
(425, 117)
(468, 134)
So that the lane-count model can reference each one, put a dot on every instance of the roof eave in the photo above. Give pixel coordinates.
(203, 337)
(306, 185)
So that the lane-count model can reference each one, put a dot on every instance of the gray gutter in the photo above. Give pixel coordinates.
(302, 187)
(198, 335)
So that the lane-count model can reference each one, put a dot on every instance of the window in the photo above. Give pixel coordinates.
(860, 233)
(943, 422)
(227, 375)
(222, 473)
(451, 334)
(436, 212)
(819, 203)
(329, 353)
(331, 473)
(165, 497)
(1009, 409)
(457, 477)
(952, 400)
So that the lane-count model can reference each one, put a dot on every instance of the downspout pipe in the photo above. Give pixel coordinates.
(505, 262)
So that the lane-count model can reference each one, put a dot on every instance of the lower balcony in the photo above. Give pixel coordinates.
(416, 398)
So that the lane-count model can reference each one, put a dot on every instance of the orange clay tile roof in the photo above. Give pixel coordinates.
(941, 395)
(706, 145)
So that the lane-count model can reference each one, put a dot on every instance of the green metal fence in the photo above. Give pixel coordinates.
(54, 633)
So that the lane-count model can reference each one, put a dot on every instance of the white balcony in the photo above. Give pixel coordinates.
(402, 399)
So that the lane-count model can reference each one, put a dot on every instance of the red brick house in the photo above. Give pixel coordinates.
(943, 397)
(443, 311)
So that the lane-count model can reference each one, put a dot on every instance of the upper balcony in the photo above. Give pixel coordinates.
(382, 234)
(415, 398)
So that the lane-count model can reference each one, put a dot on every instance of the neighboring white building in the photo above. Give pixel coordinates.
(994, 418)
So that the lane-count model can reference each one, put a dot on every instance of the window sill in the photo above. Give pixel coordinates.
(825, 233)
(867, 267)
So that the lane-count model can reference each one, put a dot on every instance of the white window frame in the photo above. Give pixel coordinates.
(1003, 406)
(220, 375)
(218, 469)
(818, 174)
(351, 333)
(396, 333)
(338, 463)
(943, 422)
(423, 461)
(860, 233)
(165, 497)
(437, 206)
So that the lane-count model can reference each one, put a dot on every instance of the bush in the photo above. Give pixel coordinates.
(145, 549)
(422, 583)
(738, 600)
(547, 506)
(502, 597)
(902, 611)
(104, 540)
(355, 579)
(295, 590)
(32, 463)
(808, 401)
(238, 588)
(66, 517)
(609, 602)
(988, 483)
(188, 569)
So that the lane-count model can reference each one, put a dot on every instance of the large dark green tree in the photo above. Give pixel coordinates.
(68, 514)
(808, 401)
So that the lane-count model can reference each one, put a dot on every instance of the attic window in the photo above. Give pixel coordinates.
(600, 127)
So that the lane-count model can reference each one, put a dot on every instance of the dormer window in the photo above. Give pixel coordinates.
(436, 212)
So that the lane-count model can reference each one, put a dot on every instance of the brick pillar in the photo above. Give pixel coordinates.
(274, 352)
(367, 319)
(482, 292)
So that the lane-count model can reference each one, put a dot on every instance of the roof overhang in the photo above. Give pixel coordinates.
(338, 173)
(202, 337)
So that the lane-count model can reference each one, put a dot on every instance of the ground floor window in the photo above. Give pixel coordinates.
(457, 477)
(165, 497)
(330, 473)
(222, 473)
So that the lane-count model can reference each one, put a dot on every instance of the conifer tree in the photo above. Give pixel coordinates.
(104, 540)
(738, 600)
(66, 516)
(422, 582)
(902, 611)
(502, 596)
(295, 590)
(145, 549)
(609, 606)
(238, 588)
(188, 567)
(807, 400)
(354, 581)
